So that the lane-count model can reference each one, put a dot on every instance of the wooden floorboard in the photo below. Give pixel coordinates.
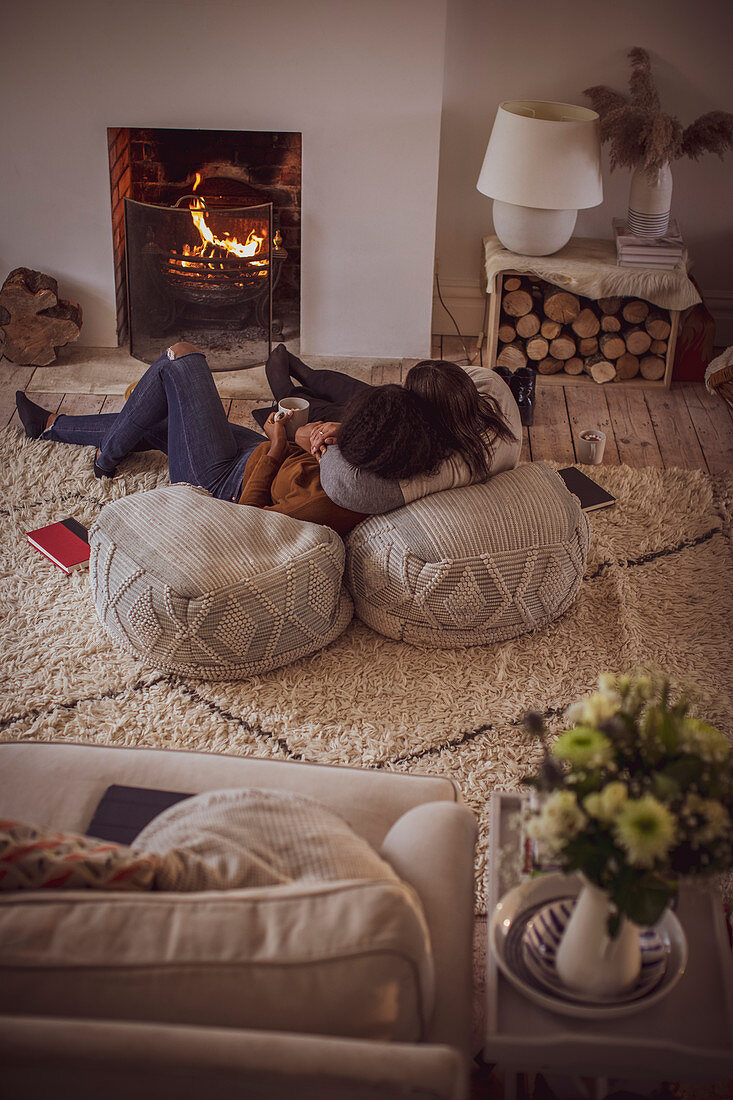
(632, 427)
(676, 437)
(713, 423)
(588, 408)
(385, 373)
(684, 426)
(550, 438)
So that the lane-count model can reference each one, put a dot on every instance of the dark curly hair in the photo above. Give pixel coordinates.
(388, 431)
(468, 421)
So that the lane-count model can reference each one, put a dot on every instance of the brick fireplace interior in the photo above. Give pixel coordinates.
(229, 169)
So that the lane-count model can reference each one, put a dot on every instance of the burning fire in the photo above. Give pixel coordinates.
(210, 242)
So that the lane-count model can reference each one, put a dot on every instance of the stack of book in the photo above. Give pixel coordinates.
(659, 252)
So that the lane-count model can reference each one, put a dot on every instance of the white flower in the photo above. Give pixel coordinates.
(583, 747)
(606, 804)
(646, 829)
(560, 819)
(593, 710)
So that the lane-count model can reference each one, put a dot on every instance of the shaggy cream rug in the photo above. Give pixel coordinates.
(658, 593)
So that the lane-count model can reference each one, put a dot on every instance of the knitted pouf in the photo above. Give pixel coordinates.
(471, 566)
(212, 589)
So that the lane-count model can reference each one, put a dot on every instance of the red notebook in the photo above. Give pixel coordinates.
(65, 543)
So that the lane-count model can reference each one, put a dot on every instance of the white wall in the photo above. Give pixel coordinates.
(361, 80)
(536, 50)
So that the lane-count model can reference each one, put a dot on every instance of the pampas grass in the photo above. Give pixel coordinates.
(639, 132)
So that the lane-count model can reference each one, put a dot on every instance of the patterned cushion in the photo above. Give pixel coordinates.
(474, 565)
(207, 588)
(34, 858)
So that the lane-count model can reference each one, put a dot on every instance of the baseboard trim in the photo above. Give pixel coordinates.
(467, 303)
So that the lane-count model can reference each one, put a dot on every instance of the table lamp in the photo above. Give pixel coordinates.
(542, 165)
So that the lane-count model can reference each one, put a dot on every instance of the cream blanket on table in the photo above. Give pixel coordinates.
(587, 266)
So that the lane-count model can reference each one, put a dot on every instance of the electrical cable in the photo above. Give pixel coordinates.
(445, 307)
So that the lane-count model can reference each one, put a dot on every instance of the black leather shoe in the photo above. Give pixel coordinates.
(504, 373)
(100, 472)
(522, 384)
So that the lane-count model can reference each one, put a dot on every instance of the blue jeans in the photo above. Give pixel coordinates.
(174, 408)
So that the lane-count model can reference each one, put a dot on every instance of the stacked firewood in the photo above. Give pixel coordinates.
(553, 330)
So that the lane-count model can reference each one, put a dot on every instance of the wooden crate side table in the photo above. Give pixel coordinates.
(686, 1036)
(561, 377)
(520, 332)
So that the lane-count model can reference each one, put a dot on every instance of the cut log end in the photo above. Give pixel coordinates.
(561, 305)
(652, 368)
(600, 369)
(517, 302)
(548, 365)
(511, 356)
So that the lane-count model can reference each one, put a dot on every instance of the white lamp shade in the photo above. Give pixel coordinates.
(543, 155)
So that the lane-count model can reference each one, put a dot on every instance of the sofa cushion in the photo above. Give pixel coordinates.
(212, 589)
(318, 952)
(33, 858)
(474, 565)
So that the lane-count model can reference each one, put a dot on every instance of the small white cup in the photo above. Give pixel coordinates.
(299, 408)
(590, 446)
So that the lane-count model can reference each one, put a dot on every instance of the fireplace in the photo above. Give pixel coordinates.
(206, 229)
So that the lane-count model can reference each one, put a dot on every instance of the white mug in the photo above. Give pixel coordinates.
(299, 408)
(590, 446)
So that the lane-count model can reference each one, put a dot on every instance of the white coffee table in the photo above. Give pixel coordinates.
(687, 1036)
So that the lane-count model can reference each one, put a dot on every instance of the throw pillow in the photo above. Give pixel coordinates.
(252, 838)
(33, 858)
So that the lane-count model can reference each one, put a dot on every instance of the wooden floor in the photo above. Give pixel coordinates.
(684, 426)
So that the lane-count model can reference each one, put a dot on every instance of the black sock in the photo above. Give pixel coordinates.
(32, 416)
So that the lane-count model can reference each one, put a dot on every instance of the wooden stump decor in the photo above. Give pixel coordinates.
(38, 322)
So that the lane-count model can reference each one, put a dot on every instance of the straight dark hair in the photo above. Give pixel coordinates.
(469, 420)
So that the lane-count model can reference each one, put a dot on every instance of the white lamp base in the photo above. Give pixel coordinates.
(532, 232)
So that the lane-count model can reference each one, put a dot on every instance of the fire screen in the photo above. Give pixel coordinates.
(204, 274)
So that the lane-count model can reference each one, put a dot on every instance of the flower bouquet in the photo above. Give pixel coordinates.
(635, 796)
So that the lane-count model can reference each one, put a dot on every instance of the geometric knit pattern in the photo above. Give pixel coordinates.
(211, 589)
(41, 859)
(473, 565)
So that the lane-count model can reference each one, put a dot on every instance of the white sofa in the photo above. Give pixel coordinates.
(417, 823)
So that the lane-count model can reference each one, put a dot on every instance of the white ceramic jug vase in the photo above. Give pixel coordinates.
(588, 960)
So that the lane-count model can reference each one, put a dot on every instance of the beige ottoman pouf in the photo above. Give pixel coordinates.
(471, 566)
(215, 590)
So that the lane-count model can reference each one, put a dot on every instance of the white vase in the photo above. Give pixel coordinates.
(588, 959)
(650, 200)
